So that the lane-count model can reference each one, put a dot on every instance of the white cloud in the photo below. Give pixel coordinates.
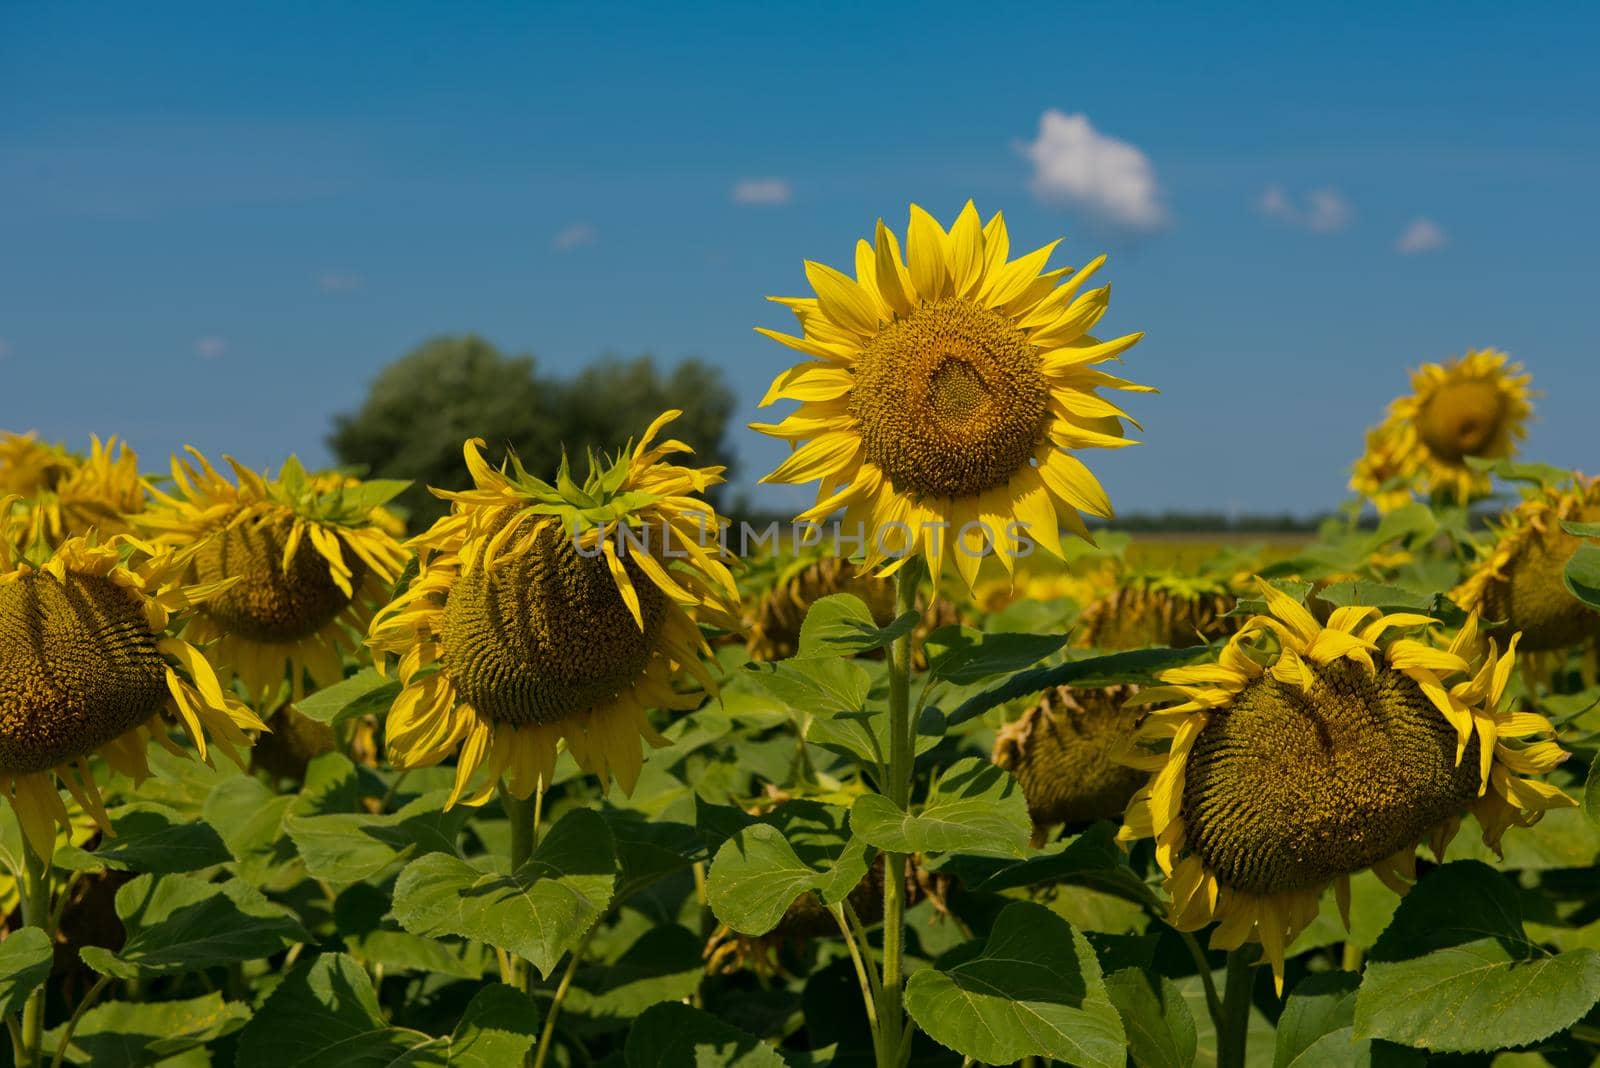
(579, 233)
(339, 282)
(762, 191)
(1422, 235)
(209, 348)
(1074, 163)
(1325, 211)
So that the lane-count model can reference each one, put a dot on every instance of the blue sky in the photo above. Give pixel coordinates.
(218, 222)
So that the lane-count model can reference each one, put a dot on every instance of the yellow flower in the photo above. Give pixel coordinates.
(944, 392)
(544, 615)
(309, 567)
(69, 496)
(1307, 753)
(1387, 469)
(29, 467)
(1475, 406)
(88, 666)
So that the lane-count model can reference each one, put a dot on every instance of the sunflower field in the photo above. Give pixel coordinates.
(949, 771)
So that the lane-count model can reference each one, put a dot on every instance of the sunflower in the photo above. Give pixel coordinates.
(1520, 581)
(1062, 753)
(88, 666)
(29, 467)
(309, 565)
(1159, 609)
(546, 614)
(1473, 407)
(1387, 470)
(1341, 750)
(68, 495)
(944, 392)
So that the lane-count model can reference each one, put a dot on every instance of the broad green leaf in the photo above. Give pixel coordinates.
(372, 937)
(673, 1035)
(1583, 575)
(1136, 665)
(159, 840)
(974, 807)
(1033, 990)
(664, 964)
(842, 625)
(25, 961)
(962, 655)
(178, 923)
(759, 872)
(497, 1029)
(1582, 530)
(1317, 1029)
(1155, 1018)
(346, 847)
(250, 819)
(324, 1012)
(1414, 520)
(1458, 937)
(538, 912)
(818, 685)
(648, 850)
(1512, 471)
(133, 1034)
(365, 691)
(1091, 859)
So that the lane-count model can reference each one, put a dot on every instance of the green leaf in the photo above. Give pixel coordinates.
(962, 655)
(1591, 793)
(1155, 1018)
(538, 912)
(817, 685)
(132, 1034)
(25, 961)
(648, 850)
(250, 819)
(498, 1027)
(154, 838)
(1137, 665)
(974, 807)
(178, 923)
(1581, 530)
(1092, 859)
(842, 625)
(759, 872)
(1317, 1029)
(1582, 575)
(663, 964)
(1033, 990)
(673, 1035)
(365, 691)
(1458, 936)
(1511, 471)
(347, 847)
(325, 1012)
(360, 915)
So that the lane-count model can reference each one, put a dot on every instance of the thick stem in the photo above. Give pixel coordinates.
(1234, 1027)
(902, 756)
(35, 913)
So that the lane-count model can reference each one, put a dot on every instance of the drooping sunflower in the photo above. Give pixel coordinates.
(89, 665)
(1386, 471)
(546, 614)
(944, 393)
(309, 568)
(1474, 407)
(29, 467)
(1307, 753)
(1519, 581)
(68, 495)
(1063, 753)
(1162, 609)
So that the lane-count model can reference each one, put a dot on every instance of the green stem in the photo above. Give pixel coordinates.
(77, 1014)
(1352, 956)
(1203, 966)
(1233, 1030)
(549, 1033)
(35, 913)
(524, 813)
(867, 997)
(902, 756)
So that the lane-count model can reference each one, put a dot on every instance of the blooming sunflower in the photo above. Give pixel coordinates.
(1473, 407)
(1387, 469)
(309, 567)
(1063, 754)
(944, 392)
(1520, 580)
(69, 495)
(1291, 768)
(545, 614)
(29, 467)
(87, 666)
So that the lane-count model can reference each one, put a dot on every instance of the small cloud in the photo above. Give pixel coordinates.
(337, 282)
(572, 237)
(1325, 211)
(1074, 163)
(209, 348)
(1423, 235)
(762, 191)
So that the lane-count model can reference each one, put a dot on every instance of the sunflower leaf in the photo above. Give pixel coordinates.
(1156, 1018)
(1582, 575)
(133, 1034)
(1317, 1029)
(364, 692)
(962, 655)
(800, 847)
(1136, 665)
(151, 838)
(672, 1034)
(25, 961)
(325, 1012)
(974, 807)
(842, 625)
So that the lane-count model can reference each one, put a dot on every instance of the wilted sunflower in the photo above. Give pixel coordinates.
(1387, 469)
(1473, 407)
(1343, 749)
(1062, 754)
(87, 666)
(310, 567)
(1520, 581)
(1159, 609)
(945, 389)
(545, 614)
(29, 467)
(69, 495)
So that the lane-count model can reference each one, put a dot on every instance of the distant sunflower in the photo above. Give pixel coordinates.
(1520, 580)
(29, 467)
(1348, 748)
(1062, 753)
(1387, 470)
(1473, 407)
(87, 665)
(547, 614)
(1159, 609)
(947, 389)
(308, 564)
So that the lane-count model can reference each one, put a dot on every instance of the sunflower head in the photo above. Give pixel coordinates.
(30, 467)
(944, 391)
(1062, 753)
(298, 562)
(1311, 751)
(70, 496)
(87, 666)
(1520, 582)
(1473, 407)
(1387, 469)
(556, 613)
(1159, 609)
